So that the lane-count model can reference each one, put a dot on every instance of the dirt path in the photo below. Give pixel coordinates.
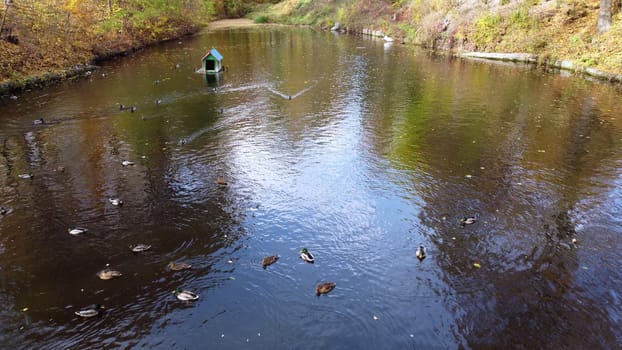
(232, 23)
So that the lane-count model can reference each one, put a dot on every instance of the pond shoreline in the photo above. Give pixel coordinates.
(551, 63)
(526, 58)
(9, 88)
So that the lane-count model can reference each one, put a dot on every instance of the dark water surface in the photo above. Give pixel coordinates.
(380, 149)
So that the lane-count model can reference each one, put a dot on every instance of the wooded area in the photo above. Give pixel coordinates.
(48, 35)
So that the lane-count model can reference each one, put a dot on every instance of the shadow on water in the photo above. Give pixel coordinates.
(376, 151)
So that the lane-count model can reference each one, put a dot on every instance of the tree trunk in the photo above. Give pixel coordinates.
(604, 16)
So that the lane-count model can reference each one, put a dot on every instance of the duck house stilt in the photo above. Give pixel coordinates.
(212, 62)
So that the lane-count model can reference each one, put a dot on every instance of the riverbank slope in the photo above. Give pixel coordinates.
(553, 30)
(41, 42)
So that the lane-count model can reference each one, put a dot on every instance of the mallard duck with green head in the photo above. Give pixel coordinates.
(90, 311)
(325, 288)
(185, 295)
(306, 256)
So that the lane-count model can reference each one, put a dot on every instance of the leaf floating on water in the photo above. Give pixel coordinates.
(468, 176)
(477, 265)
(232, 278)
(584, 267)
(25, 309)
(375, 317)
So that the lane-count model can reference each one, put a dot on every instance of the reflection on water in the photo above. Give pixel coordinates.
(356, 151)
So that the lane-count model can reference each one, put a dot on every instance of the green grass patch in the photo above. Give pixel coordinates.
(262, 19)
(488, 29)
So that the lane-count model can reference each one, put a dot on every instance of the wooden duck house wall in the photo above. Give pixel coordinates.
(212, 62)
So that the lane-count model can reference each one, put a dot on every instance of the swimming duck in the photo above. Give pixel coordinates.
(60, 169)
(107, 274)
(185, 295)
(115, 201)
(89, 311)
(4, 211)
(420, 253)
(267, 261)
(126, 163)
(133, 109)
(306, 256)
(77, 231)
(325, 288)
(158, 101)
(39, 121)
(26, 176)
(467, 220)
(138, 248)
(221, 181)
(178, 266)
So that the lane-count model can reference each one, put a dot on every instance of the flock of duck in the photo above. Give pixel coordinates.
(420, 253)
(327, 287)
(107, 273)
(305, 254)
(187, 295)
(182, 294)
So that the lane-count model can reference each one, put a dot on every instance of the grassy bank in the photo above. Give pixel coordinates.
(555, 29)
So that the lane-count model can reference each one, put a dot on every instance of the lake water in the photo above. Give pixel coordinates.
(359, 151)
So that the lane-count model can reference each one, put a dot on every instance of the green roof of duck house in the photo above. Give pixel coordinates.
(212, 61)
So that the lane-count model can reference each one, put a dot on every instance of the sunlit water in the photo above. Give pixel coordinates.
(354, 149)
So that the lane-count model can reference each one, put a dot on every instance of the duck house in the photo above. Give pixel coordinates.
(212, 62)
